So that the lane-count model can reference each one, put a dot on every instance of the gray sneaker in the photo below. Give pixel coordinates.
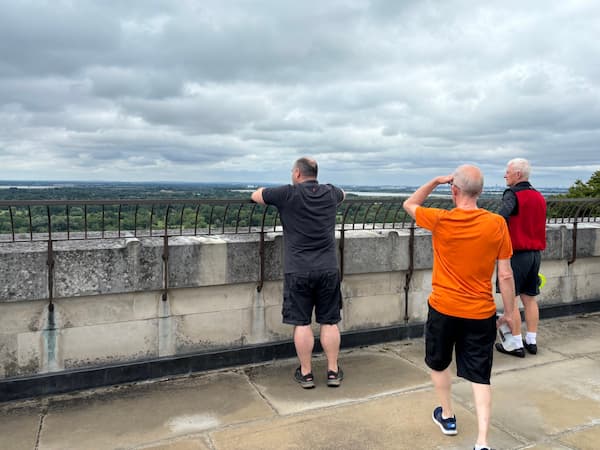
(334, 379)
(306, 381)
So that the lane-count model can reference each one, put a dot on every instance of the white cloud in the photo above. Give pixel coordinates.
(380, 92)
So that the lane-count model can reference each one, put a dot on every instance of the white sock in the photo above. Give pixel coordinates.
(480, 447)
(530, 338)
(517, 341)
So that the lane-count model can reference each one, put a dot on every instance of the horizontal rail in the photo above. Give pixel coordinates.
(58, 220)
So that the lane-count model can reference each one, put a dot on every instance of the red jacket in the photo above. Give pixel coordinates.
(528, 226)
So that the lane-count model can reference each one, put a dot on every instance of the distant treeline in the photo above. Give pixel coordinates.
(101, 191)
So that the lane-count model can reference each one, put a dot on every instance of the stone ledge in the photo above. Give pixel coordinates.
(118, 266)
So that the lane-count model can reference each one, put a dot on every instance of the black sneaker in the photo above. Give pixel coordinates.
(518, 352)
(484, 448)
(448, 426)
(306, 381)
(531, 348)
(334, 379)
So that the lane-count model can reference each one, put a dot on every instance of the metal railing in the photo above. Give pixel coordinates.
(38, 220)
(66, 220)
(108, 219)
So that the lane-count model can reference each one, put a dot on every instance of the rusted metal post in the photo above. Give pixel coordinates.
(261, 261)
(411, 268)
(50, 264)
(342, 242)
(165, 257)
(574, 239)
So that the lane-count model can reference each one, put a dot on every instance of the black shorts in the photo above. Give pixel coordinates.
(304, 291)
(471, 339)
(526, 266)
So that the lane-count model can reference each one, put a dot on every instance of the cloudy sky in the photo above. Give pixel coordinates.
(379, 92)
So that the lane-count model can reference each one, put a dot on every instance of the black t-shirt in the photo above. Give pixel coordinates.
(307, 212)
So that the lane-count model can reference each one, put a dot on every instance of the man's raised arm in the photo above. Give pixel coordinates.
(418, 197)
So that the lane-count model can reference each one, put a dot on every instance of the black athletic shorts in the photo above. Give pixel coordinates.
(525, 266)
(303, 291)
(471, 339)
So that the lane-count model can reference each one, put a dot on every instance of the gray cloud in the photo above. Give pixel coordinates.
(381, 92)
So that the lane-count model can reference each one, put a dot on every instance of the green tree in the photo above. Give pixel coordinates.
(586, 190)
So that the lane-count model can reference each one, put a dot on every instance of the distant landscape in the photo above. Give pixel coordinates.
(80, 190)
(120, 215)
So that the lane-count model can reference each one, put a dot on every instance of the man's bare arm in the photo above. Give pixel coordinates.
(257, 196)
(507, 290)
(418, 197)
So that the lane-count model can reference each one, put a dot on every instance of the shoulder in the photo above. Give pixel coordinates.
(508, 193)
(337, 190)
(494, 217)
(522, 186)
(277, 193)
(423, 213)
(496, 220)
(279, 189)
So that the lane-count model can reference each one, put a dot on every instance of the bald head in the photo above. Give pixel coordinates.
(469, 180)
(307, 166)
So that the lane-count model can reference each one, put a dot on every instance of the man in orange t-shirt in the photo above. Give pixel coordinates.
(467, 244)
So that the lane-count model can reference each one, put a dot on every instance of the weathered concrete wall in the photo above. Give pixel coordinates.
(108, 306)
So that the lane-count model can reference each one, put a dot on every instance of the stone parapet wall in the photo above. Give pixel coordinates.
(108, 306)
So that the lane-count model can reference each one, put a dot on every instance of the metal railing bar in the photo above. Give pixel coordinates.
(30, 225)
(212, 209)
(135, 219)
(196, 220)
(12, 222)
(151, 218)
(106, 219)
(119, 220)
(224, 218)
(181, 220)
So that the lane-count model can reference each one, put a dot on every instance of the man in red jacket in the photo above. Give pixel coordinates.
(524, 209)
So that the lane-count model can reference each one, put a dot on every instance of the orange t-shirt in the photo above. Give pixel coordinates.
(466, 245)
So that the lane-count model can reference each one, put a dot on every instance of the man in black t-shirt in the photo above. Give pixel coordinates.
(311, 277)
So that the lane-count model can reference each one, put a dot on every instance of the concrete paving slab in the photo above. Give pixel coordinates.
(366, 374)
(412, 350)
(588, 438)
(543, 401)
(184, 444)
(400, 421)
(151, 412)
(550, 445)
(19, 428)
(570, 335)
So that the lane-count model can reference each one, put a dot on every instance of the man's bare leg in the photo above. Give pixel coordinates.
(304, 340)
(532, 312)
(442, 382)
(482, 394)
(330, 341)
